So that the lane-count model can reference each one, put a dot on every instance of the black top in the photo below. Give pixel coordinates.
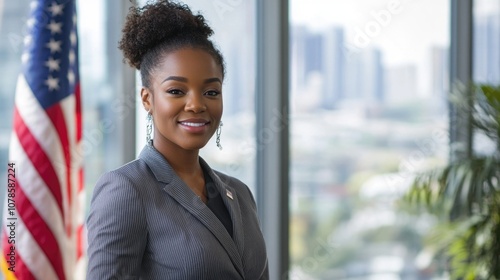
(216, 204)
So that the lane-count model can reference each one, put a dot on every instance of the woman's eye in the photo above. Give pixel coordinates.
(174, 91)
(212, 93)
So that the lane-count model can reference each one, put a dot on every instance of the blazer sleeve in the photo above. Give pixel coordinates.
(117, 232)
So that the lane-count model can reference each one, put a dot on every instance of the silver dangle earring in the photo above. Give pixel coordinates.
(149, 128)
(217, 135)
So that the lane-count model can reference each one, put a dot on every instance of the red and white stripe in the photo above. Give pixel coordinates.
(49, 197)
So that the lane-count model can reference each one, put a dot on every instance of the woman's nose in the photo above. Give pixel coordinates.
(195, 103)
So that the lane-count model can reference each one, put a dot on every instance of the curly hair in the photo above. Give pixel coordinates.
(161, 27)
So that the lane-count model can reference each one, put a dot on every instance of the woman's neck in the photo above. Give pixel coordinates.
(186, 165)
(184, 162)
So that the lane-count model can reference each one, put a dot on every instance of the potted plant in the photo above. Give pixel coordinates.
(465, 194)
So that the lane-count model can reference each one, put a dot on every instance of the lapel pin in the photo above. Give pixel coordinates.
(229, 194)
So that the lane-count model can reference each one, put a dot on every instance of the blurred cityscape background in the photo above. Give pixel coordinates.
(368, 87)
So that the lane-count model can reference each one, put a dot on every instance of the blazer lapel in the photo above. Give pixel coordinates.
(179, 191)
(230, 198)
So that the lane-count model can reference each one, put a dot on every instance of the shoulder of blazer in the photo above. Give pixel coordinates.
(135, 171)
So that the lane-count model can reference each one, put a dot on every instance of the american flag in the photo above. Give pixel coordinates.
(43, 223)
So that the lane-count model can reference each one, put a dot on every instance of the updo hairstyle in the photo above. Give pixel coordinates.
(161, 27)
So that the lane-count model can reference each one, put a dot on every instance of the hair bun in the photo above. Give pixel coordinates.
(156, 23)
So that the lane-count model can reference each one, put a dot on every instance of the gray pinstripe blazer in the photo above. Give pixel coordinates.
(146, 223)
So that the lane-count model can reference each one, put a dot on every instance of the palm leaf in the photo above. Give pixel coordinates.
(466, 193)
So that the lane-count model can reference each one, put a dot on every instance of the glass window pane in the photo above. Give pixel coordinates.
(230, 20)
(486, 59)
(486, 45)
(99, 26)
(13, 17)
(368, 87)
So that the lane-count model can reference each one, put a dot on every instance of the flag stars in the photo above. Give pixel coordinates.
(54, 46)
(52, 83)
(27, 40)
(25, 57)
(72, 38)
(33, 5)
(31, 22)
(55, 27)
(56, 9)
(71, 77)
(53, 64)
(72, 57)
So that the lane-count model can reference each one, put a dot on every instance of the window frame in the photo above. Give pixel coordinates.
(272, 131)
(461, 61)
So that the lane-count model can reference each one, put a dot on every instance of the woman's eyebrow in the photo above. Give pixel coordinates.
(175, 78)
(185, 80)
(211, 80)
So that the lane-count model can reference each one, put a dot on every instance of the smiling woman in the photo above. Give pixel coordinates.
(187, 105)
(167, 214)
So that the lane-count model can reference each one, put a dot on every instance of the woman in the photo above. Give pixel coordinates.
(167, 214)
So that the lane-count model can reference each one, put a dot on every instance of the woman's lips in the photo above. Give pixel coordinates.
(194, 126)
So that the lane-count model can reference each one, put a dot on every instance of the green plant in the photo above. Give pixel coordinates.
(465, 194)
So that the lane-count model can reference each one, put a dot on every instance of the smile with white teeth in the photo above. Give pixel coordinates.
(193, 124)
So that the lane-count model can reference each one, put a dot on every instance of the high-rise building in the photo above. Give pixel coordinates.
(372, 76)
(313, 53)
(400, 83)
(364, 76)
(236, 94)
(340, 71)
(298, 40)
(486, 45)
(439, 76)
(333, 67)
(307, 67)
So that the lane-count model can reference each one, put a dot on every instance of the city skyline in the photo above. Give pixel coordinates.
(321, 66)
(394, 26)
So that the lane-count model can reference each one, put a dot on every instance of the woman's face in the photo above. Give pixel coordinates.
(185, 99)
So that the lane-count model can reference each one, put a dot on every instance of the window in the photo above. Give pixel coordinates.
(486, 43)
(101, 78)
(486, 57)
(13, 16)
(368, 81)
(368, 86)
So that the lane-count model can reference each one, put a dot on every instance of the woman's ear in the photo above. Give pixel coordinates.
(146, 97)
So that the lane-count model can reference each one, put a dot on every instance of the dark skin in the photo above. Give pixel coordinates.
(185, 100)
